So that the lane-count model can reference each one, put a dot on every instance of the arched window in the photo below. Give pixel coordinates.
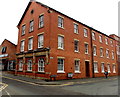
(41, 65)
(29, 67)
(21, 65)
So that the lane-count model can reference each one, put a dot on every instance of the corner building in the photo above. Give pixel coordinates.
(51, 44)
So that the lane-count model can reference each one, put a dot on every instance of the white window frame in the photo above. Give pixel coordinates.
(60, 22)
(108, 67)
(31, 26)
(113, 55)
(40, 41)
(107, 53)
(29, 65)
(41, 21)
(95, 67)
(101, 52)
(102, 67)
(23, 29)
(30, 43)
(20, 65)
(93, 36)
(76, 28)
(100, 38)
(61, 64)
(41, 65)
(85, 32)
(22, 45)
(76, 46)
(86, 48)
(77, 66)
(106, 41)
(60, 42)
(94, 50)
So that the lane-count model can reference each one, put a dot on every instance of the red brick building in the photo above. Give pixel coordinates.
(7, 55)
(53, 44)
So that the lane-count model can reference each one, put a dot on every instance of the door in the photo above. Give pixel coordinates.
(87, 69)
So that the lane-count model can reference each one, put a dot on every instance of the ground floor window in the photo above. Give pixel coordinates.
(60, 65)
(114, 69)
(29, 67)
(77, 66)
(108, 66)
(41, 65)
(21, 65)
(102, 67)
(95, 67)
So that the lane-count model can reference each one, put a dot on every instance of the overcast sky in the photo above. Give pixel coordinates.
(99, 14)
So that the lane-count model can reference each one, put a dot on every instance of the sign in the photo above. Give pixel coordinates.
(3, 55)
(70, 74)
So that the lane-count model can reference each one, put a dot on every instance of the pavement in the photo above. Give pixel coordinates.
(56, 83)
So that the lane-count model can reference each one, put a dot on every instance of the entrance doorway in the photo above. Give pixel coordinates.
(87, 69)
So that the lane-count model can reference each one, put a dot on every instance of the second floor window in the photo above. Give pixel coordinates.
(85, 32)
(100, 38)
(94, 50)
(75, 28)
(41, 21)
(86, 48)
(22, 46)
(23, 29)
(106, 41)
(101, 52)
(76, 45)
(112, 55)
(31, 26)
(60, 22)
(40, 41)
(60, 42)
(30, 43)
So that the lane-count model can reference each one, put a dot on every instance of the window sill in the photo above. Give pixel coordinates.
(60, 49)
(60, 71)
(85, 36)
(76, 33)
(61, 27)
(77, 72)
(41, 27)
(29, 71)
(31, 31)
(40, 72)
(86, 53)
(96, 72)
(76, 51)
(20, 70)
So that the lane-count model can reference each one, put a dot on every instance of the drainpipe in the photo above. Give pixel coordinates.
(92, 57)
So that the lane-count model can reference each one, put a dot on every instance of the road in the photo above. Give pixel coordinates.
(102, 87)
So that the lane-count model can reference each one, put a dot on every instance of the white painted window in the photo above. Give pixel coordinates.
(23, 29)
(29, 67)
(60, 42)
(102, 68)
(31, 26)
(107, 53)
(112, 55)
(95, 67)
(114, 68)
(40, 41)
(76, 45)
(41, 65)
(108, 67)
(100, 38)
(94, 50)
(22, 46)
(21, 65)
(76, 28)
(60, 22)
(111, 42)
(77, 66)
(41, 21)
(60, 65)
(101, 52)
(106, 41)
(30, 44)
(85, 32)
(93, 35)
(86, 48)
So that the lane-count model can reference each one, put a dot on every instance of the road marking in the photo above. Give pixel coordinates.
(8, 93)
(3, 86)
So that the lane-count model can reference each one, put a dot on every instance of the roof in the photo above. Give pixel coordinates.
(59, 13)
(8, 41)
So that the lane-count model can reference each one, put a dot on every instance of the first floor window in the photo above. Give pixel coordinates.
(41, 21)
(60, 65)
(41, 65)
(30, 43)
(107, 53)
(114, 69)
(21, 65)
(22, 46)
(112, 55)
(77, 67)
(94, 50)
(60, 42)
(86, 48)
(95, 67)
(40, 41)
(29, 68)
(76, 45)
(23, 29)
(101, 52)
(60, 22)
(108, 66)
(102, 67)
